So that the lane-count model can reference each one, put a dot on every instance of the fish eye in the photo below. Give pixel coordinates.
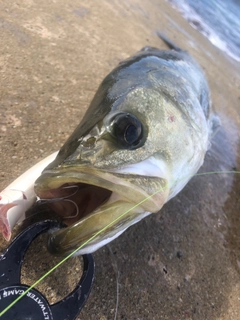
(128, 131)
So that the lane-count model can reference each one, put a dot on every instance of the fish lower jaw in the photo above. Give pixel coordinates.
(97, 228)
(95, 245)
(65, 241)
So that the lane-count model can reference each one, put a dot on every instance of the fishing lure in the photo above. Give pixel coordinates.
(19, 196)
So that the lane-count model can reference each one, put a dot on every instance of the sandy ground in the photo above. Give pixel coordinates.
(183, 263)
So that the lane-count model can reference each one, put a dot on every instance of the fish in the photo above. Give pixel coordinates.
(143, 137)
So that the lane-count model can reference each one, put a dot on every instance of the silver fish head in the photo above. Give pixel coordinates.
(143, 137)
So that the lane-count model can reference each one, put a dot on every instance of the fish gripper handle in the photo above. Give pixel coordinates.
(34, 305)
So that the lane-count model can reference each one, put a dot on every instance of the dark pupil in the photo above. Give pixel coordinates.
(128, 130)
(131, 134)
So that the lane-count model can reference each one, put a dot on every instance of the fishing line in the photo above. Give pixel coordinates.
(99, 232)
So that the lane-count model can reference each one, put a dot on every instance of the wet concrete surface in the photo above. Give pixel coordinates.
(183, 263)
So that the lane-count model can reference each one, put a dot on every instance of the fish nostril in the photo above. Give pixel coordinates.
(89, 143)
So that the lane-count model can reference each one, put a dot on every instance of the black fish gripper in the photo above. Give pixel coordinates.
(34, 305)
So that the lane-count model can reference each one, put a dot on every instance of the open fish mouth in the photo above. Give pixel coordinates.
(95, 204)
(73, 201)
